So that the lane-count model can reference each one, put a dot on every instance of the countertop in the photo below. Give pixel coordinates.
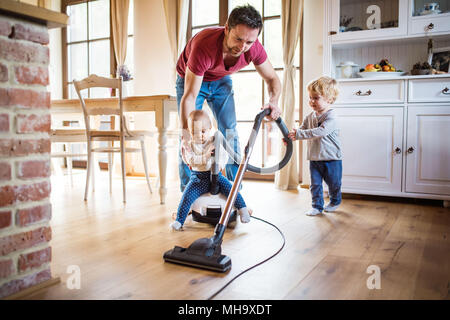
(405, 77)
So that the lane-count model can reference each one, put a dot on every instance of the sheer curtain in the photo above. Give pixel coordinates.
(291, 19)
(176, 20)
(119, 19)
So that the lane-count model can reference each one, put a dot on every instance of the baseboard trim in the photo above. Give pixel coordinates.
(28, 291)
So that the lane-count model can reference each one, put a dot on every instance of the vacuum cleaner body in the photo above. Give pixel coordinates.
(209, 207)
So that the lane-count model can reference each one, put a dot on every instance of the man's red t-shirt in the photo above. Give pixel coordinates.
(204, 55)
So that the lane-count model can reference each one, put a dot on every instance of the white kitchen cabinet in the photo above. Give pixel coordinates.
(372, 148)
(394, 129)
(428, 150)
(397, 149)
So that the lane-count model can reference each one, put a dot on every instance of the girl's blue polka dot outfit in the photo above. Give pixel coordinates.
(199, 183)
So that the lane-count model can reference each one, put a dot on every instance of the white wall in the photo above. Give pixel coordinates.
(313, 23)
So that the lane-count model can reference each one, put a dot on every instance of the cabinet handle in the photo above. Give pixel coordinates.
(430, 26)
(359, 93)
(446, 90)
(398, 150)
(410, 150)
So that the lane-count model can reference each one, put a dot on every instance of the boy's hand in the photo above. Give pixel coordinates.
(293, 135)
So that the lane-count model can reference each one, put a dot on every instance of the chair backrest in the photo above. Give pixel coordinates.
(94, 81)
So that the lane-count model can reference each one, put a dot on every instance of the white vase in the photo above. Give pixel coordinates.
(127, 89)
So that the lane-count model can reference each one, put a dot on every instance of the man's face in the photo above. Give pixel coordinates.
(239, 39)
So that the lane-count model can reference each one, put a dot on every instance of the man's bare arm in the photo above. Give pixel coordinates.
(267, 72)
(192, 84)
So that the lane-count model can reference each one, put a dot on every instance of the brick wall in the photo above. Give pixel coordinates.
(25, 209)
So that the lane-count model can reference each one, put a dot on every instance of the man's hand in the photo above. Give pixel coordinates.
(275, 113)
(185, 139)
(185, 147)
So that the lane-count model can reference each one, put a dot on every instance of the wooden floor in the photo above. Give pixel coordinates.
(119, 248)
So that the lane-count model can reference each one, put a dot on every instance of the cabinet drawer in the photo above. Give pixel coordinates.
(431, 25)
(386, 91)
(429, 90)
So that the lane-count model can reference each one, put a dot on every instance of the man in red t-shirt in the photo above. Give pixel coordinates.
(204, 69)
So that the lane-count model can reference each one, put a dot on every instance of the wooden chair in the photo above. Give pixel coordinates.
(67, 136)
(121, 135)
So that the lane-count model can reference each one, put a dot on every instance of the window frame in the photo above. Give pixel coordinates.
(65, 62)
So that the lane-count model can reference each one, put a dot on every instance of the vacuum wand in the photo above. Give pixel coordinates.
(221, 226)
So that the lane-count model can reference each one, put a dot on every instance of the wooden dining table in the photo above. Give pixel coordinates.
(161, 105)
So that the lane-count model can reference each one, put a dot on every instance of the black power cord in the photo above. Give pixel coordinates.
(254, 266)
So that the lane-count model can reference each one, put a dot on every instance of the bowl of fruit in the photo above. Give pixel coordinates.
(383, 69)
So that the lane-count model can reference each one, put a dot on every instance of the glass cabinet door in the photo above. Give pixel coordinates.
(354, 19)
(430, 8)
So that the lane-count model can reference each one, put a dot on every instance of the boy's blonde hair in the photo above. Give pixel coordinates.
(325, 86)
(199, 115)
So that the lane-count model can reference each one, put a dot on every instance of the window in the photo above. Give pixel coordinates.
(207, 13)
(88, 49)
(87, 44)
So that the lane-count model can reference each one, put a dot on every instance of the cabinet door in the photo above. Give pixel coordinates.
(362, 19)
(428, 150)
(429, 17)
(372, 148)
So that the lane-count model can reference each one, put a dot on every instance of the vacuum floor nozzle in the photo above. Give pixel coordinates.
(202, 253)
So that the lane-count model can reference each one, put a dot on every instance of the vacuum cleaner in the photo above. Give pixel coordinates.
(206, 253)
(209, 206)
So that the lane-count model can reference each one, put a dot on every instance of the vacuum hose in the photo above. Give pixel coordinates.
(220, 140)
(243, 166)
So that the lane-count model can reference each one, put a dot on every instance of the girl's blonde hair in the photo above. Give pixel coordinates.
(325, 86)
